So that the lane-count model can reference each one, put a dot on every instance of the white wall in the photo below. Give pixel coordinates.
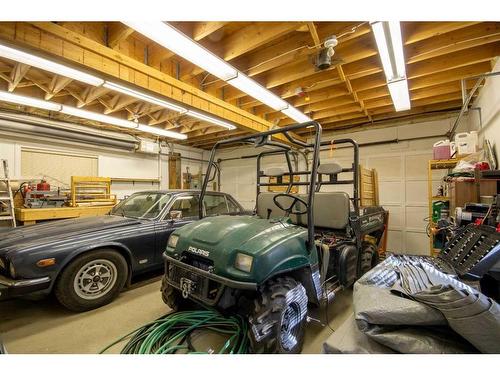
(111, 163)
(489, 102)
(402, 170)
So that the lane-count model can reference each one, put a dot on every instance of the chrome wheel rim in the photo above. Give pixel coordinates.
(95, 279)
(290, 326)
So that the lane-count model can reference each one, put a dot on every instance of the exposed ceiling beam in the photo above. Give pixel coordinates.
(314, 34)
(202, 30)
(467, 37)
(117, 33)
(57, 84)
(75, 47)
(247, 39)
(416, 31)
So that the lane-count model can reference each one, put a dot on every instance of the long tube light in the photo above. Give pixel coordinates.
(213, 120)
(399, 94)
(177, 42)
(60, 69)
(48, 65)
(30, 102)
(296, 115)
(390, 48)
(72, 111)
(255, 90)
(142, 96)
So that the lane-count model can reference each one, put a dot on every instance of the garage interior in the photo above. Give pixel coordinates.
(94, 113)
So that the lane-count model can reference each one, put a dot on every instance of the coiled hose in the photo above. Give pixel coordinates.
(172, 333)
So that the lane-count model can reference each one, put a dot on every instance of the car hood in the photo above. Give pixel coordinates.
(59, 232)
(249, 233)
(218, 239)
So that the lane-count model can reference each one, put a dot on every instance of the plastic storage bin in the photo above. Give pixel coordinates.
(466, 143)
(443, 150)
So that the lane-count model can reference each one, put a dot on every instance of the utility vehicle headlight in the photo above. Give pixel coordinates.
(243, 262)
(172, 240)
(12, 270)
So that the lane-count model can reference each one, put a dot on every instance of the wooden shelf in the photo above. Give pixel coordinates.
(432, 166)
(443, 164)
(32, 215)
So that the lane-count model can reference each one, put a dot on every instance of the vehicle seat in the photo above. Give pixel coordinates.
(331, 209)
(185, 206)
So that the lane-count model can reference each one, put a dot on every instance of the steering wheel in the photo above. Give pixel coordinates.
(290, 210)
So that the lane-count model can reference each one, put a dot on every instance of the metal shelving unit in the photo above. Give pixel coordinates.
(436, 165)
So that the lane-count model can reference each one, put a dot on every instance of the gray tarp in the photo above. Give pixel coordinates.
(407, 305)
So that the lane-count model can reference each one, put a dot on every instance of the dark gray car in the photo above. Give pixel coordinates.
(87, 261)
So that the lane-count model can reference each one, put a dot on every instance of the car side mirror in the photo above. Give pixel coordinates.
(175, 215)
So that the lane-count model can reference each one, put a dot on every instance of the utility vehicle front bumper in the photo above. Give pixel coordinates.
(14, 288)
(207, 286)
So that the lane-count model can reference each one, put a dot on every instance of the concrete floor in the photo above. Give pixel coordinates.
(46, 327)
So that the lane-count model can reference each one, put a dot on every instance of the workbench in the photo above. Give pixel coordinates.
(29, 216)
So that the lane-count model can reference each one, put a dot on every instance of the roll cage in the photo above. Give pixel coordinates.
(315, 180)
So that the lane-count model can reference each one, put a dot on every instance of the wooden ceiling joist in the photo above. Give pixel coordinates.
(117, 33)
(247, 39)
(279, 55)
(67, 44)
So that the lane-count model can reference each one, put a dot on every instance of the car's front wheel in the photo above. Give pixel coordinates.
(92, 280)
(277, 325)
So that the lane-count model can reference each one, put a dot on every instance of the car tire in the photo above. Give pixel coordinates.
(92, 280)
(369, 258)
(277, 325)
(173, 298)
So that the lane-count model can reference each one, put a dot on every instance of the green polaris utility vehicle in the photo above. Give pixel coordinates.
(294, 253)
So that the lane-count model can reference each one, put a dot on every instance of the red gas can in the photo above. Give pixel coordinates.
(43, 186)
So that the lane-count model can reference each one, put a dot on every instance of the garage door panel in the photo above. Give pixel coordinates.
(416, 243)
(396, 217)
(389, 167)
(414, 218)
(390, 192)
(394, 241)
(416, 166)
(416, 192)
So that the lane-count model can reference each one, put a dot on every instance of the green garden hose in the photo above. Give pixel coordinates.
(172, 333)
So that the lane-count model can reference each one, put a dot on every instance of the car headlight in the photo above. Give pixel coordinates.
(172, 241)
(243, 262)
(12, 270)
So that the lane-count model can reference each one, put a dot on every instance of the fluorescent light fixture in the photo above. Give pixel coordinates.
(252, 88)
(179, 43)
(48, 65)
(397, 47)
(98, 117)
(400, 95)
(143, 96)
(185, 47)
(210, 119)
(160, 132)
(390, 48)
(51, 106)
(296, 115)
(31, 102)
(383, 49)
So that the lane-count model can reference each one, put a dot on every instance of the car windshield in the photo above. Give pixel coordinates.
(146, 205)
